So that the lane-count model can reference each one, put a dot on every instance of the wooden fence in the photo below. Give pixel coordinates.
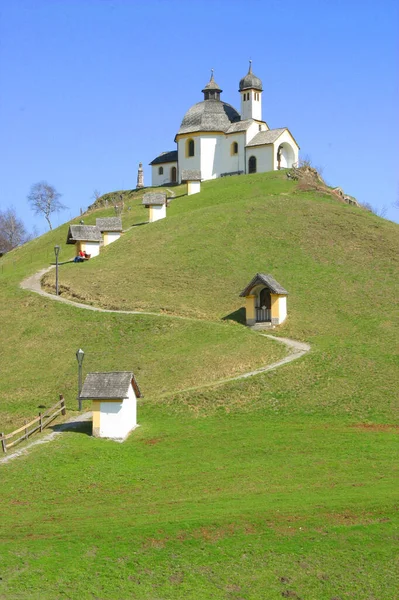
(37, 424)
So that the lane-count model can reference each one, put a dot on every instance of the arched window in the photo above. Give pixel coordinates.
(190, 148)
(234, 148)
(160, 171)
(173, 175)
(252, 164)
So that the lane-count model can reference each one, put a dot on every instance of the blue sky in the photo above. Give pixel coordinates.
(91, 87)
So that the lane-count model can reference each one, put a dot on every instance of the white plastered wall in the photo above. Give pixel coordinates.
(253, 129)
(92, 248)
(157, 212)
(251, 109)
(264, 158)
(211, 156)
(285, 138)
(193, 187)
(230, 163)
(282, 308)
(156, 178)
(111, 236)
(118, 417)
(189, 162)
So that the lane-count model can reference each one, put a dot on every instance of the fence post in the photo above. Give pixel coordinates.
(3, 443)
(63, 412)
(41, 421)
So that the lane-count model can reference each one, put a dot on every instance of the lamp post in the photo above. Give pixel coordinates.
(79, 357)
(56, 252)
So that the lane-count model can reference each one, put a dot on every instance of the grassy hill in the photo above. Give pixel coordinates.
(282, 485)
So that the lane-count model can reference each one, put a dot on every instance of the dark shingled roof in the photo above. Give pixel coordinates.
(190, 175)
(109, 224)
(208, 115)
(266, 137)
(212, 85)
(266, 280)
(165, 157)
(240, 126)
(153, 198)
(250, 81)
(83, 233)
(109, 386)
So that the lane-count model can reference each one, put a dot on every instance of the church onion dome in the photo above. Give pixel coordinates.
(250, 81)
(212, 91)
(208, 115)
(212, 85)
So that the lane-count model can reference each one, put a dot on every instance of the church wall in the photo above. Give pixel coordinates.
(264, 157)
(287, 138)
(231, 163)
(211, 156)
(165, 177)
(252, 130)
(188, 162)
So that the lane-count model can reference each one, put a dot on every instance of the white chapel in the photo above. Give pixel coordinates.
(215, 140)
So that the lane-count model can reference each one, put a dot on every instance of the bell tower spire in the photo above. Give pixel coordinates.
(251, 96)
(212, 91)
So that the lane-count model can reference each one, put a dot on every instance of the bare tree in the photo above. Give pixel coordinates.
(12, 230)
(96, 195)
(45, 200)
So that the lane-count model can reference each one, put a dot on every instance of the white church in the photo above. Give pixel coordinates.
(216, 140)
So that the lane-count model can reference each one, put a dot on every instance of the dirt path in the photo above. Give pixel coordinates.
(297, 349)
(69, 425)
(32, 283)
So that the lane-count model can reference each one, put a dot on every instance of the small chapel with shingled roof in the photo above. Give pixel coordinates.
(216, 140)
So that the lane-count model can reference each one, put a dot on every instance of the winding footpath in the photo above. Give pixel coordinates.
(33, 284)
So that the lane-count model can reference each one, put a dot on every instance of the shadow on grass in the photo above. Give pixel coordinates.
(82, 427)
(138, 224)
(238, 316)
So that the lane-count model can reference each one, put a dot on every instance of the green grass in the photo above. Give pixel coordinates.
(282, 485)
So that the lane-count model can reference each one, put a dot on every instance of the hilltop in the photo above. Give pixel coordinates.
(283, 482)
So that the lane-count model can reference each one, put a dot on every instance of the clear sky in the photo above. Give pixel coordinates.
(91, 87)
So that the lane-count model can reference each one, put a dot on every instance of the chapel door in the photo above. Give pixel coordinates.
(263, 312)
(252, 164)
(173, 175)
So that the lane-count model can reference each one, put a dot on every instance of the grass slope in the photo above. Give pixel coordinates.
(283, 485)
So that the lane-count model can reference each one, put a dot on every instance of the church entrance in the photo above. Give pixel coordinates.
(173, 175)
(285, 156)
(252, 164)
(263, 311)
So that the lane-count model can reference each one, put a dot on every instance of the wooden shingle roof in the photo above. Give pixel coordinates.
(109, 386)
(154, 198)
(190, 175)
(266, 137)
(109, 224)
(165, 157)
(83, 233)
(266, 280)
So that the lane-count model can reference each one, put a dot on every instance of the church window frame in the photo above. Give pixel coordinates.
(234, 149)
(160, 170)
(190, 148)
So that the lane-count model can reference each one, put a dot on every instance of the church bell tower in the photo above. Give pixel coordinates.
(251, 96)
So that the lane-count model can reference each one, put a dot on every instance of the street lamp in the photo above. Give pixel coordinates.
(56, 252)
(79, 357)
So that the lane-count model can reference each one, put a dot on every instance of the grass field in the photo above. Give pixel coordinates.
(282, 485)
